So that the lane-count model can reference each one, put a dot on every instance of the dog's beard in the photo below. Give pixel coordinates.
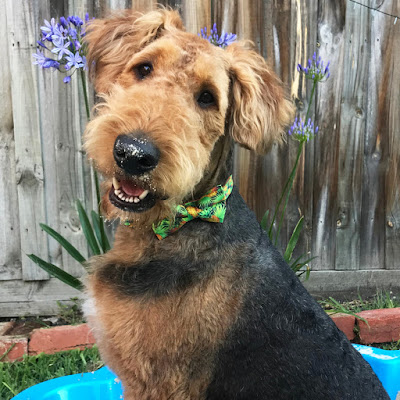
(145, 217)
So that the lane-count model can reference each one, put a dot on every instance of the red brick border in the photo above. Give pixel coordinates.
(384, 326)
(46, 340)
(60, 338)
(346, 323)
(13, 347)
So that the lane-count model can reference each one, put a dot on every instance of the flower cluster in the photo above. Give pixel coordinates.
(301, 131)
(315, 69)
(64, 40)
(221, 41)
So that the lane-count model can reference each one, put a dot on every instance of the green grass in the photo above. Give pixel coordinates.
(17, 376)
(382, 299)
(389, 346)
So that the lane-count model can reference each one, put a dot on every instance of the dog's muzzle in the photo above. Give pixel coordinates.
(135, 155)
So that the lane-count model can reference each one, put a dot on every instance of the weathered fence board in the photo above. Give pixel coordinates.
(331, 37)
(34, 298)
(390, 123)
(23, 24)
(351, 143)
(10, 251)
(348, 183)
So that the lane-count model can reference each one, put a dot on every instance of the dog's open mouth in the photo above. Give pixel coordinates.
(129, 196)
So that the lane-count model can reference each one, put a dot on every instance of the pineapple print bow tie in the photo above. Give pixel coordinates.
(211, 207)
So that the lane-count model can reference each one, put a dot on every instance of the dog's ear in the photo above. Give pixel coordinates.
(112, 42)
(258, 110)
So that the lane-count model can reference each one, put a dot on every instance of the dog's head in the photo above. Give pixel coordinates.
(167, 97)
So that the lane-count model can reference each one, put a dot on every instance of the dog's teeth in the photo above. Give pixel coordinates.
(144, 194)
(136, 200)
(121, 195)
(117, 191)
(130, 200)
(116, 183)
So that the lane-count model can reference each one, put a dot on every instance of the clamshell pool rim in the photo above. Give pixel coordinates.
(105, 385)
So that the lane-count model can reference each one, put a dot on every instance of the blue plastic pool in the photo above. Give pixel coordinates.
(100, 385)
(104, 385)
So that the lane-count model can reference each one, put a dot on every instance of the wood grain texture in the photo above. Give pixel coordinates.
(350, 283)
(392, 153)
(331, 38)
(352, 124)
(10, 255)
(303, 33)
(372, 224)
(23, 25)
(19, 298)
(196, 15)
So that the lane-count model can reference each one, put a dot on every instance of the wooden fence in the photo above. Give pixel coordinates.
(347, 186)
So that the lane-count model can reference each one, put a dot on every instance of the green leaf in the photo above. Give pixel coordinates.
(104, 240)
(98, 226)
(339, 308)
(295, 262)
(298, 266)
(87, 229)
(286, 191)
(264, 220)
(57, 272)
(97, 185)
(293, 240)
(73, 252)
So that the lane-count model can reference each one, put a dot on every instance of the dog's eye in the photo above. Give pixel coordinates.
(206, 99)
(142, 70)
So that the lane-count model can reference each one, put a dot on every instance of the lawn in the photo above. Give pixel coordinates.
(17, 376)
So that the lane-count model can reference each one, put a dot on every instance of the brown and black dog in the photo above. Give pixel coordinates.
(211, 311)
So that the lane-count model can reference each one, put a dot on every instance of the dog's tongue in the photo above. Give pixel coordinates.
(131, 189)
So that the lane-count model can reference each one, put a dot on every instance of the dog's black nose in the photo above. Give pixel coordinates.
(135, 154)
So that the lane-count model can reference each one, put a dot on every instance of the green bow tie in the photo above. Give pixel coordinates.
(211, 207)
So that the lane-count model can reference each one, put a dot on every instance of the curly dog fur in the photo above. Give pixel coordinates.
(212, 311)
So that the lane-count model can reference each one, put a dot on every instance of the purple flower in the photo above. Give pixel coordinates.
(64, 39)
(221, 41)
(301, 131)
(43, 61)
(50, 63)
(41, 44)
(75, 20)
(58, 40)
(64, 22)
(315, 69)
(74, 60)
(61, 50)
(72, 33)
(48, 29)
(39, 57)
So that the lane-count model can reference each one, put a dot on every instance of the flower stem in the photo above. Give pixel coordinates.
(95, 176)
(311, 98)
(85, 95)
(288, 185)
(86, 98)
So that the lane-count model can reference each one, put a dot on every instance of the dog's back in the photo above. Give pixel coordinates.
(283, 345)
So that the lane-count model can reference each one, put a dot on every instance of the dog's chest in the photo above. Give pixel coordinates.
(166, 344)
